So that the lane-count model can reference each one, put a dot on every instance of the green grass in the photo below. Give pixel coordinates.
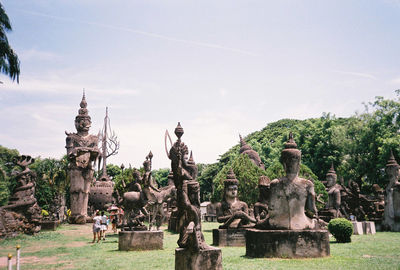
(69, 248)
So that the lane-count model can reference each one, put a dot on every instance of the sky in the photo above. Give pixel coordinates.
(221, 68)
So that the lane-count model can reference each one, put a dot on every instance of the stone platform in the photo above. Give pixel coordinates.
(208, 259)
(49, 225)
(229, 237)
(287, 243)
(140, 240)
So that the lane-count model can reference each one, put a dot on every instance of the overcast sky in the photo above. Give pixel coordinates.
(219, 67)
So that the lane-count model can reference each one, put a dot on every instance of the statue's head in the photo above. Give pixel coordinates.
(83, 121)
(193, 188)
(331, 177)
(230, 185)
(291, 156)
(147, 162)
(392, 168)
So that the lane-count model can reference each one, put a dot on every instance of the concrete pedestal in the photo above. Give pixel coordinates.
(229, 237)
(208, 259)
(287, 243)
(369, 227)
(140, 240)
(357, 228)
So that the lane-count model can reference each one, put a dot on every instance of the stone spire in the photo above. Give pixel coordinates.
(331, 171)
(290, 151)
(83, 111)
(243, 145)
(231, 178)
(179, 131)
(392, 161)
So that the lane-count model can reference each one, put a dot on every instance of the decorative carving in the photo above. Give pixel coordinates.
(392, 196)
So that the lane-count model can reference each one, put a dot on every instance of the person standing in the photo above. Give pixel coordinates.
(96, 227)
(104, 226)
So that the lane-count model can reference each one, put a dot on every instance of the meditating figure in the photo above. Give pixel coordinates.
(332, 207)
(291, 197)
(231, 211)
(261, 206)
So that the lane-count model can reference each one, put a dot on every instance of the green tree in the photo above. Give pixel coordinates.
(160, 176)
(9, 62)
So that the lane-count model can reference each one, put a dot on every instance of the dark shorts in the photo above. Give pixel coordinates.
(96, 229)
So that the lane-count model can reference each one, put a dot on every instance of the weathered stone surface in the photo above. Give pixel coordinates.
(287, 243)
(357, 228)
(206, 259)
(229, 237)
(369, 227)
(392, 197)
(49, 225)
(140, 240)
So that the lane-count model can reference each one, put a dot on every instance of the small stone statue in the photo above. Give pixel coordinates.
(261, 206)
(231, 211)
(392, 196)
(291, 197)
(332, 208)
(82, 151)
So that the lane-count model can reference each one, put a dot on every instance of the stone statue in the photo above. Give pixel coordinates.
(22, 214)
(82, 151)
(231, 211)
(184, 172)
(291, 197)
(392, 196)
(261, 206)
(332, 208)
(253, 155)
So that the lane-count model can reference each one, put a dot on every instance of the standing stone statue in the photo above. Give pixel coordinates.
(332, 208)
(231, 211)
(291, 196)
(193, 252)
(82, 151)
(392, 196)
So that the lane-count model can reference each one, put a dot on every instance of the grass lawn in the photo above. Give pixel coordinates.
(70, 247)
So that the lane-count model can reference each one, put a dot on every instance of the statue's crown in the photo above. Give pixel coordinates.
(392, 161)
(231, 178)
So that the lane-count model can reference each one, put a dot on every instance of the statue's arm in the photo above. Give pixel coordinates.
(220, 214)
(310, 203)
(337, 199)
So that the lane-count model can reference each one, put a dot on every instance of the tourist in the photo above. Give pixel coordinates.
(104, 225)
(114, 221)
(96, 227)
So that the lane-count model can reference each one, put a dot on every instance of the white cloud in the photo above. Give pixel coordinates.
(358, 74)
(395, 81)
(37, 55)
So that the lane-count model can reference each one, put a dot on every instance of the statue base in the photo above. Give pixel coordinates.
(78, 219)
(287, 243)
(140, 240)
(207, 259)
(229, 237)
(357, 228)
(49, 225)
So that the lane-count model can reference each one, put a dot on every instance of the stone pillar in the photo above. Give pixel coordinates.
(207, 259)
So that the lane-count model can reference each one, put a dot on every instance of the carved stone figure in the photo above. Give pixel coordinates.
(291, 197)
(392, 196)
(22, 214)
(82, 151)
(231, 211)
(261, 206)
(253, 155)
(332, 208)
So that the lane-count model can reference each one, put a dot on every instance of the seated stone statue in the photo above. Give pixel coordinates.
(231, 211)
(332, 208)
(291, 196)
(261, 206)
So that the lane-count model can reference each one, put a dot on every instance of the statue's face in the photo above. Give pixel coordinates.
(292, 166)
(331, 180)
(393, 173)
(231, 191)
(83, 124)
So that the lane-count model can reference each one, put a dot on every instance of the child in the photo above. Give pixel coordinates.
(96, 227)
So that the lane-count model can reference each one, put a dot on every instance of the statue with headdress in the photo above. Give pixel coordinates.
(392, 196)
(82, 151)
(232, 212)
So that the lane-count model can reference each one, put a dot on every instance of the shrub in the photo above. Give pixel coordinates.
(341, 229)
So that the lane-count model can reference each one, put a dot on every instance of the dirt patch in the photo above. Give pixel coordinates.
(34, 260)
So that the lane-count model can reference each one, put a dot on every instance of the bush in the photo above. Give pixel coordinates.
(341, 229)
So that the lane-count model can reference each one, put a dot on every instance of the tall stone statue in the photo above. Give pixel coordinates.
(193, 252)
(261, 206)
(332, 208)
(291, 196)
(253, 155)
(392, 196)
(232, 212)
(82, 151)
